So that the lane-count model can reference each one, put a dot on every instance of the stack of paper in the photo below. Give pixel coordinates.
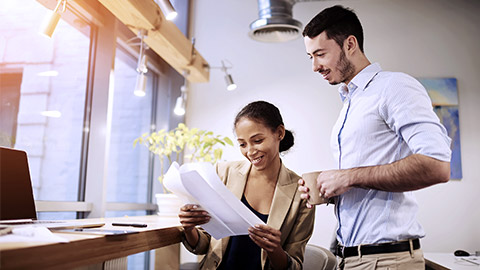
(198, 183)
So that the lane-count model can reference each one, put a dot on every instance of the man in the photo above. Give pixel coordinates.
(387, 142)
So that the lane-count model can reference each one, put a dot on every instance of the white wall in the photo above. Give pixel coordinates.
(425, 38)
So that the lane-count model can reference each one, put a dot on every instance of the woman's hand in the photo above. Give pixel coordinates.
(265, 237)
(268, 238)
(304, 192)
(190, 216)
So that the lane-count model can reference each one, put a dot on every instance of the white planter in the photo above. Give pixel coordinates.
(168, 204)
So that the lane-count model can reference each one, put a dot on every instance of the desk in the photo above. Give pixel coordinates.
(446, 261)
(87, 249)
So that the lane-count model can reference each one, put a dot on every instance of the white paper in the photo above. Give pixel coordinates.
(198, 183)
(32, 234)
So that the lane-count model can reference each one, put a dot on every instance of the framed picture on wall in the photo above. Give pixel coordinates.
(444, 95)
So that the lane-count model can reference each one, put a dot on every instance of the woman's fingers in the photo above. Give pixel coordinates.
(188, 207)
(265, 237)
(263, 242)
(193, 214)
(199, 220)
(190, 215)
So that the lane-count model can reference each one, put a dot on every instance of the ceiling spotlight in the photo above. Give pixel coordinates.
(140, 85)
(167, 9)
(51, 21)
(230, 84)
(228, 78)
(179, 106)
(142, 57)
(181, 100)
(142, 63)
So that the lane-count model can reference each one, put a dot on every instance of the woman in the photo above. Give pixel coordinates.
(265, 186)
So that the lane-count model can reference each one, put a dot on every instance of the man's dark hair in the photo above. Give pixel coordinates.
(269, 115)
(338, 23)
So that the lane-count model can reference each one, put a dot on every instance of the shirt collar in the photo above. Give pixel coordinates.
(361, 80)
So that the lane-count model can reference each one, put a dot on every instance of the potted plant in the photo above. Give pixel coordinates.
(189, 144)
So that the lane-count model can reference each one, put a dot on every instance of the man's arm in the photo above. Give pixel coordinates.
(411, 173)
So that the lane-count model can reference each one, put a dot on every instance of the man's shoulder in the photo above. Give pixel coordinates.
(394, 75)
(393, 81)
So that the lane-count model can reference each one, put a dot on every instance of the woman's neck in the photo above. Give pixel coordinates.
(270, 173)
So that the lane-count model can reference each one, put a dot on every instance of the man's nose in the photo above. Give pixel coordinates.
(316, 66)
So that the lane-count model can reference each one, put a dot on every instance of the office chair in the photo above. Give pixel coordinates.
(318, 258)
(189, 266)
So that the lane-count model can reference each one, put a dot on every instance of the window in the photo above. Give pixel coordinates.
(128, 167)
(43, 105)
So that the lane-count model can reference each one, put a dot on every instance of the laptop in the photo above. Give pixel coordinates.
(17, 206)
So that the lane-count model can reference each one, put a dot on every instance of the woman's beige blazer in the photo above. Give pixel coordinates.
(288, 213)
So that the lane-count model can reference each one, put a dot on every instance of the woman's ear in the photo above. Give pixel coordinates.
(280, 132)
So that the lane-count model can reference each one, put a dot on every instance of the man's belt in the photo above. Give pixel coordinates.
(391, 247)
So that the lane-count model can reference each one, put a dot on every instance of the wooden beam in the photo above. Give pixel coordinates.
(80, 13)
(163, 36)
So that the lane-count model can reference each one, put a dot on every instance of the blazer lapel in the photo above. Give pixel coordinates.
(282, 198)
(237, 179)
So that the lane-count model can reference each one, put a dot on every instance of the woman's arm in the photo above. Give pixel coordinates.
(195, 241)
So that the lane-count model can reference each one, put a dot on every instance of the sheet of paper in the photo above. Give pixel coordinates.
(207, 172)
(171, 180)
(32, 234)
(200, 184)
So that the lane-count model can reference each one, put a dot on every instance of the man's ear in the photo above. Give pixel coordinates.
(350, 44)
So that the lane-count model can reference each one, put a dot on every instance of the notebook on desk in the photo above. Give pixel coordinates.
(17, 206)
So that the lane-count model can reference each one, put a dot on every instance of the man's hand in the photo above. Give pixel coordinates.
(333, 183)
(329, 183)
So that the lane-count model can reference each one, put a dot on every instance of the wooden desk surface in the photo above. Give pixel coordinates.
(84, 249)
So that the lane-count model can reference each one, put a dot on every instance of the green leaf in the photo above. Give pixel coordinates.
(204, 145)
(217, 153)
(227, 140)
(219, 141)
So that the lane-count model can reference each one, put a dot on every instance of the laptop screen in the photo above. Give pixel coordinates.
(16, 194)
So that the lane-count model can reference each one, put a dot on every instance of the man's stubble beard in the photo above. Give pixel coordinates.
(345, 67)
